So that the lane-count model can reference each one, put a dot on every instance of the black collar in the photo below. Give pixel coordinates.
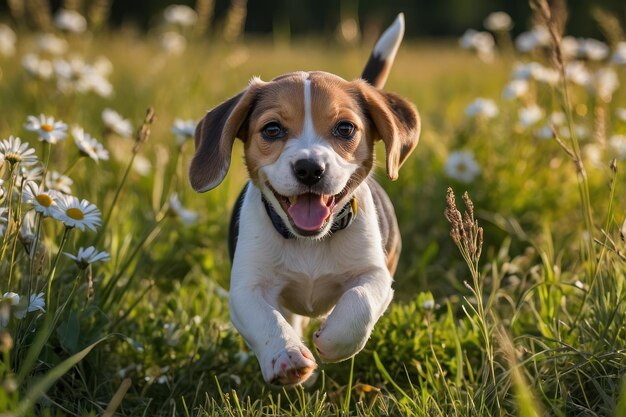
(343, 219)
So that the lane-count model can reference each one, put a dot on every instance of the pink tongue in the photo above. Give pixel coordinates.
(309, 212)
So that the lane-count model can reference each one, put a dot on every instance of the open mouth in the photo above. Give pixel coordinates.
(309, 212)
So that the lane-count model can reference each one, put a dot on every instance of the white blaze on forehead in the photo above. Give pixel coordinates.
(308, 131)
(307, 144)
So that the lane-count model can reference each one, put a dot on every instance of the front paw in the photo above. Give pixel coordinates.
(290, 366)
(335, 346)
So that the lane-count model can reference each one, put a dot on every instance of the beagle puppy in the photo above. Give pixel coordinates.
(312, 234)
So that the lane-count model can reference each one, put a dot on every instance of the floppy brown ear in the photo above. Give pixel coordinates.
(214, 137)
(397, 123)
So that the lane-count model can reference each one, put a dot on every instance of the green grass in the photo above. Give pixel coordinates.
(539, 328)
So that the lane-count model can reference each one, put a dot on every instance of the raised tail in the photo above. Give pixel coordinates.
(379, 64)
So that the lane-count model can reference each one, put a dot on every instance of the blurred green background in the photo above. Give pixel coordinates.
(425, 18)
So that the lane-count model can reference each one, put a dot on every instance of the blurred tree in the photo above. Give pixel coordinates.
(285, 18)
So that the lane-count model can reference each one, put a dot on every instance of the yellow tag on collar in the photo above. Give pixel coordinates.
(353, 205)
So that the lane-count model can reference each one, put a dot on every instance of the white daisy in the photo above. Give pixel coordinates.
(75, 213)
(14, 299)
(29, 174)
(482, 107)
(91, 80)
(59, 182)
(173, 42)
(88, 256)
(8, 39)
(530, 115)
(177, 210)
(70, 20)
(179, 14)
(184, 130)
(594, 49)
(69, 69)
(8, 302)
(89, 146)
(546, 75)
(621, 114)
(537, 37)
(103, 66)
(515, 89)
(43, 201)
(577, 73)
(498, 22)
(558, 118)
(15, 152)
(604, 83)
(116, 123)
(51, 44)
(47, 128)
(36, 302)
(27, 230)
(37, 67)
(618, 144)
(142, 165)
(524, 70)
(482, 42)
(462, 166)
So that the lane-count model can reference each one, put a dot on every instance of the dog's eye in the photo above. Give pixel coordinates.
(344, 130)
(272, 131)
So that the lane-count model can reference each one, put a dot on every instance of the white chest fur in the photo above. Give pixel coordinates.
(306, 276)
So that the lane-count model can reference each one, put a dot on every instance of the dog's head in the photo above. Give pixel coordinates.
(309, 142)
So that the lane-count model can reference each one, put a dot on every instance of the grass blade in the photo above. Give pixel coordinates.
(40, 387)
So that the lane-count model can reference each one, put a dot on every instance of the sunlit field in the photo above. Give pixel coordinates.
(114, 274)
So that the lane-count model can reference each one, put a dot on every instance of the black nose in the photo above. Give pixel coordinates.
(308, 171)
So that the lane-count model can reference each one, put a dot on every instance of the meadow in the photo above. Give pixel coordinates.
(511, 304)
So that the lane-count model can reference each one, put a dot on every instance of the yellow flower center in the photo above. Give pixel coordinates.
(461, 167)
(44, 200)
(46, 127)
(13, 157)
(75, 213)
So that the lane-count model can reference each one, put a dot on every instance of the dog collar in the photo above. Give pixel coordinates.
(343, 219)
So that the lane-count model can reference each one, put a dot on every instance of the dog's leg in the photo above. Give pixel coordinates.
(348, 327)
(283, 357)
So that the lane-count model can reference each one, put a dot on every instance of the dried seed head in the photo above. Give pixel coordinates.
(469, 205)
(553, 17)
(144, 130)
(465, 232)
(453, 215)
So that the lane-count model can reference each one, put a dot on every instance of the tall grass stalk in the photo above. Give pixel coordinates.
(554, 25)
(143, 244)
(38, 389)
(11, 223)
(18, 225)
(142, 135)
(468, 237)
(346, 401)
(53, 268)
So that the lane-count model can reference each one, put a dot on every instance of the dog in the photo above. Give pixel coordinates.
(312, 234)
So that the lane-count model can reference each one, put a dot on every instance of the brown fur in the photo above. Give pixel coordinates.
(394, 119)
(282, 101)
